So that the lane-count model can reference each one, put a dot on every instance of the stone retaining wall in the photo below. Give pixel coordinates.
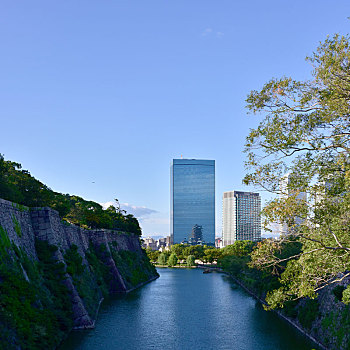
(24, 225)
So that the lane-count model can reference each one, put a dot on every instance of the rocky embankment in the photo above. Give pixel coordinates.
(53, 275)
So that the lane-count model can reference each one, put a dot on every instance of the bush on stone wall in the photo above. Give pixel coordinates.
(338, 292)
(308, 312)
(134, 267)
(83, 279)
(101, 272)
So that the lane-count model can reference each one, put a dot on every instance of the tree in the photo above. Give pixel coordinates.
(172, 260)
(178, 250)
(153, 255)
(190, 261)
(238, 248)
(212, 254)
(162, 259)
(234, 264)
(305, 132)
(196, 250)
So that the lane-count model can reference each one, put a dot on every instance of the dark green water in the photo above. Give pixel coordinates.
(186, 309)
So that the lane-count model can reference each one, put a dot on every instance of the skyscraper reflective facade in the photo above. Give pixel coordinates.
(192, 199)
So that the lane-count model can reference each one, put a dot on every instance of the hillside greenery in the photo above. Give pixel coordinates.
(19, 186)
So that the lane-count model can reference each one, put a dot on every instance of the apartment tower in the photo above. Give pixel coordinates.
(241, 217)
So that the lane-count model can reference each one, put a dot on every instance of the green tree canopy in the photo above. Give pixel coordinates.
(172, 261)
(305, 131)
(162, 259)
(196, 250)
(153, 255)
(190, 261)
(212, 254)
(238, 248)
(178, 250)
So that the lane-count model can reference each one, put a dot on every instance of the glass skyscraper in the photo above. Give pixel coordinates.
(192, 202)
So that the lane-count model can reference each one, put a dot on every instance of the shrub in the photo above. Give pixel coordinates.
(74, 261)
(338, 292)
(308, 313)
(17, 226)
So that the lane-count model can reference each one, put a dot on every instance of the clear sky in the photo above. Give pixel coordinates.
(98, 96)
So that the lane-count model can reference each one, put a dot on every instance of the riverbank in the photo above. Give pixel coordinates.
(213, 268)
(325, 320)
(176, 266)
(141, 284)
(279, 313)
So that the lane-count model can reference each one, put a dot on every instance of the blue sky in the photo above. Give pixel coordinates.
(111, 91)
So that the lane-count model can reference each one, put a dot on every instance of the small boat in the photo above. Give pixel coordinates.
(207, 271)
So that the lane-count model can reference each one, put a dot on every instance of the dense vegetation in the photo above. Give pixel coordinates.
(179, 253)
(305, 132)
(17, 185)
(187, 254)
(236, 260)
(328, 321)
(35, 307)
(134, 267)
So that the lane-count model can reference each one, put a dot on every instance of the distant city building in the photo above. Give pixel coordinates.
(159, 244)
(286, 191)
(192, 202)
(163, 242)
(218, 242)
(324, 189)
(149, 242)
(241, 217)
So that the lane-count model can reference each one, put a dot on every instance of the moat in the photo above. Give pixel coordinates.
(186, 309)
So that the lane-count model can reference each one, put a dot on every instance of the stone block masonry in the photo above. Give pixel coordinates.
(24, 225)
(12, 215)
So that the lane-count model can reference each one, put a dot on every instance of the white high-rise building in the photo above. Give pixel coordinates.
(241, 217)
(286, 191)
